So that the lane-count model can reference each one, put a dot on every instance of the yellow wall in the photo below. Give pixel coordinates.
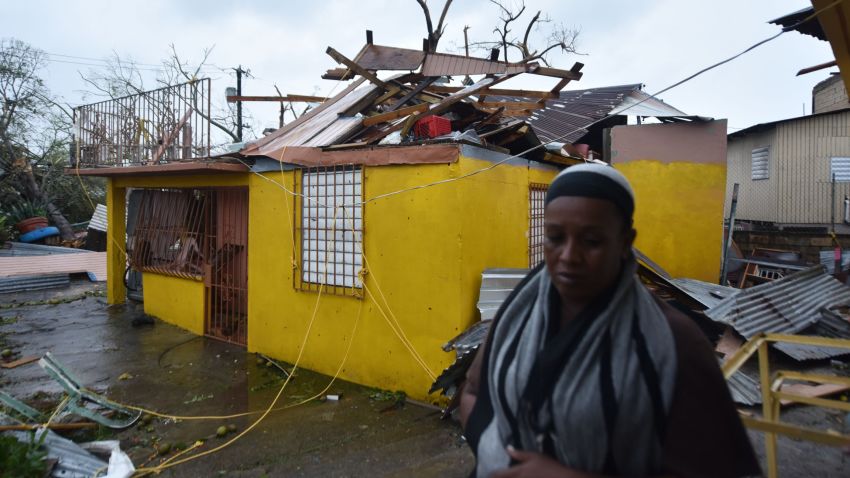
(679, 215)
(425, 250)
(175, 300)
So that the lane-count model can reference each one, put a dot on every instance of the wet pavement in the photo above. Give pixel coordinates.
(132, 359)
(161, 367)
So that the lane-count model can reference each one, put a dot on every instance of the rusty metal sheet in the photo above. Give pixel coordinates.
(378, 57)
(442, 64)
(784, 306)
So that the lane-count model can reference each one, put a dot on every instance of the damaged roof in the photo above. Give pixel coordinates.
(375, 110)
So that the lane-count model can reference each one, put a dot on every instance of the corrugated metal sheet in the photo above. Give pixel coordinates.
(496, 285)
(705, 293)
(745, 389)
(829, 325)
(827, 259)
(442, 64)
(35, 282)
(93, 263)
(564, 118)
(24, 249)
(98, 220)
(788, 305)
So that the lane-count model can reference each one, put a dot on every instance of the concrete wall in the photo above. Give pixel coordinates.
(829, 95)
(424, 253)
(678, 172)
(175, 300)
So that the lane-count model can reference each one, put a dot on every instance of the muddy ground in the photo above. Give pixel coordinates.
(158, 366)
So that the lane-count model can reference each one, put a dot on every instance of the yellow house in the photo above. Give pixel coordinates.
(346, 268)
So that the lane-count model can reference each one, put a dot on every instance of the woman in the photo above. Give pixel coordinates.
(585, 373)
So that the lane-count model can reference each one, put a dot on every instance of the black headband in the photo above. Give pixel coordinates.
(592, 185)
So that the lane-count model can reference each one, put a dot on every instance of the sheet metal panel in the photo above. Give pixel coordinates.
(705, 293)
(24, 249)
(830, 325)
(787, 306)
(745, 389)
(496, 285)
(98, 220)
(35, 282)
(93, 263)
(442, 64)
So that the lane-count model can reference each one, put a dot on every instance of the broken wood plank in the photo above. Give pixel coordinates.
(166, 141)
(561, 84)
(557, 73)
(414, 92)
(20, 361)
(811, 391)
(339, 74)
(391, 115)
(495, 92)
(729, 343)
(394, 90)
(340, 58)
(454, 98)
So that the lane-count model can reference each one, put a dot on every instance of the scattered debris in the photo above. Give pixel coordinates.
(18, 362)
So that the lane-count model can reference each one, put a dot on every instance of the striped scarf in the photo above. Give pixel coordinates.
(594, 395)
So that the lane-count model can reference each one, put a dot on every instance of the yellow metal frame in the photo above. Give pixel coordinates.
(771, 386)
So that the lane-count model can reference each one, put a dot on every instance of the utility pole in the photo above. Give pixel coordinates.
(239, 72)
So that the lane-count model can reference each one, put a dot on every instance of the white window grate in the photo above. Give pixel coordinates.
(536, 204)
(331, 229)
(839, 168)
(761, 163)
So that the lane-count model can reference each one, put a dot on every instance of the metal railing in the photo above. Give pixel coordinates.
(772, 394)
(166, 125)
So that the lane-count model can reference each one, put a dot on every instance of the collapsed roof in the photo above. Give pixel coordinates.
(373, 110)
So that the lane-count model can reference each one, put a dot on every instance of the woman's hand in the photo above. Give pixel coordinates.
(536, 465)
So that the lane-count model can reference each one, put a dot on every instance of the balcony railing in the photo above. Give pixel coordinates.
(166, 125)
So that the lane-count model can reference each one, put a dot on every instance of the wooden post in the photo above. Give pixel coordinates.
(728, 243)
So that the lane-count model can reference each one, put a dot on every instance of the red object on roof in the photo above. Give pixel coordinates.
(432, 126)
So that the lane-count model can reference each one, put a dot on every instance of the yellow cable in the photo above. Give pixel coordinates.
(282, 388)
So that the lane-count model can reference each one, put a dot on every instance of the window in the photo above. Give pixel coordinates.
(331, 220)
(839, 168)
(761, 163)
(168, 233)
(536, 203)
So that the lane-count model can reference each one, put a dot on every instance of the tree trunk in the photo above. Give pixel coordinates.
(34, 194)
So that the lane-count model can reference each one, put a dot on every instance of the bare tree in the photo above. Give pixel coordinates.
(31, 135)
(122, 77)
(434, 34)
(558, 37)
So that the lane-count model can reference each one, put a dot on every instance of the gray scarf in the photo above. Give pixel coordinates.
(604, 409)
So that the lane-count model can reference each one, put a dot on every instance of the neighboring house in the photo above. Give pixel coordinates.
(786, 168)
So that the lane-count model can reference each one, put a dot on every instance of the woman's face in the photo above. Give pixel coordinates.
(585, 243)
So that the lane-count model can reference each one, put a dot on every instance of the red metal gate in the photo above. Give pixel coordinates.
(226, 275)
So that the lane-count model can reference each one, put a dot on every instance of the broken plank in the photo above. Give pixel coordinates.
(391, 115)
(340, 74)
(495, 92)
(340, 58)
(561, 84)
(558, 73)
(414, 92)
(166, 142)
(21, 361)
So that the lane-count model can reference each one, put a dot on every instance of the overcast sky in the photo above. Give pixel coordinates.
(282, 42)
